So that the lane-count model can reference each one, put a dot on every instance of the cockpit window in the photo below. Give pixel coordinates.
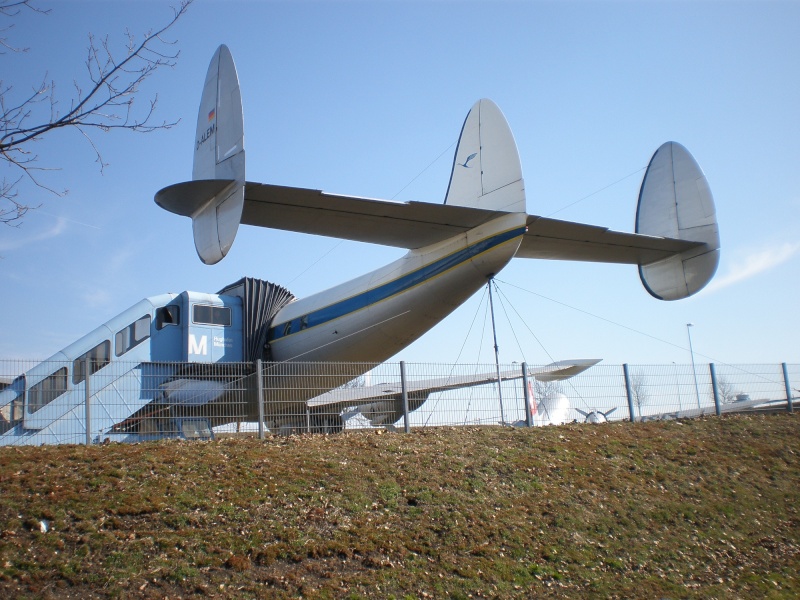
(168, 315)
(212, 315)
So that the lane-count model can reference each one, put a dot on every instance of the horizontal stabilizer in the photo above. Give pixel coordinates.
(188, 197)
(414, 225)
(564, 240)
(408, 225)
(675, 202)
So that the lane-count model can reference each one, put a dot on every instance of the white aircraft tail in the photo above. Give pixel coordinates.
(215, 198)
(486, 169)
(675, 202)
(676, 244)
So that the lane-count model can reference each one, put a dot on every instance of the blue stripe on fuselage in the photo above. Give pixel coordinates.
(387, 290)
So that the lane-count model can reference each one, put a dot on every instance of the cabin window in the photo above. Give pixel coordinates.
(99, 357)
(212, 315)
(133, 335)
(168, 315)
(47, 390)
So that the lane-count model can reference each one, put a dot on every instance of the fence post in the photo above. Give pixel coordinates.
(715, 388)
(260, 391)
(87, 397)
(406, 424)
(789, 404)
(526, 396)
(629, 391)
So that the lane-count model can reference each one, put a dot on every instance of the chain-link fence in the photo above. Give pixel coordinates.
(54, 402)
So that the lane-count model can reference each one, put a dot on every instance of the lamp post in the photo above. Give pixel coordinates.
(694, 369)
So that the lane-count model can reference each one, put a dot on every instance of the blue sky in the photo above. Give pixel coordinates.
(368, 99)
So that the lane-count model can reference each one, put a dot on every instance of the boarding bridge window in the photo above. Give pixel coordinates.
(212, 315)
(98, 357)
(47, 390)
(168, 315)
(11, 412)
(133, 335)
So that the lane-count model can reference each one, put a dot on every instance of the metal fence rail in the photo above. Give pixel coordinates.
(55, 402)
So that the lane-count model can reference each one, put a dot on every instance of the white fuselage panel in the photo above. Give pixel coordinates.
(376, 315)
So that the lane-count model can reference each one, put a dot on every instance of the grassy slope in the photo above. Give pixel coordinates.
(704, 508)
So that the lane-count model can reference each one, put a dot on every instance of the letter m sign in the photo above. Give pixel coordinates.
(200, 347)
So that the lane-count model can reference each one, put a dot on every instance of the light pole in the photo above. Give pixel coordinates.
(694, 369)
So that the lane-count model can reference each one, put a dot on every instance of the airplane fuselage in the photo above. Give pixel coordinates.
(374, 316)
(369, 319)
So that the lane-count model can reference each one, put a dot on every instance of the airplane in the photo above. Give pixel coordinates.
(381, 404)
(453, 249)
(596, 416)
(554, 408)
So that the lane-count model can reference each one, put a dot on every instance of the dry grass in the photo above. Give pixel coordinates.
(704, 508)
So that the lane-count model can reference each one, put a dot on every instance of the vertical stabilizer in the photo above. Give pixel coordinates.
(486, 169)
(675, 201)
(219, 155)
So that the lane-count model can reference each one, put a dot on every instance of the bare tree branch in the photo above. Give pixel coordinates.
(13, 215)
(106, 104)
(11, 8)
(640, 392)
(726, 391)
(546, 390)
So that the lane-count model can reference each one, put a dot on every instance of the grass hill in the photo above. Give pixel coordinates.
(706, 508)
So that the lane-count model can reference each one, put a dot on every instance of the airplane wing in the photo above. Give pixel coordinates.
(416, 224)
(730, 408)
(344, 397)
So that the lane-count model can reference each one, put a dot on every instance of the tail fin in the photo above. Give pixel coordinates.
(675, 201)
(215, 198)
(486, 169)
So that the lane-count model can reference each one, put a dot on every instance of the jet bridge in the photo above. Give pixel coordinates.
(134, 363)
